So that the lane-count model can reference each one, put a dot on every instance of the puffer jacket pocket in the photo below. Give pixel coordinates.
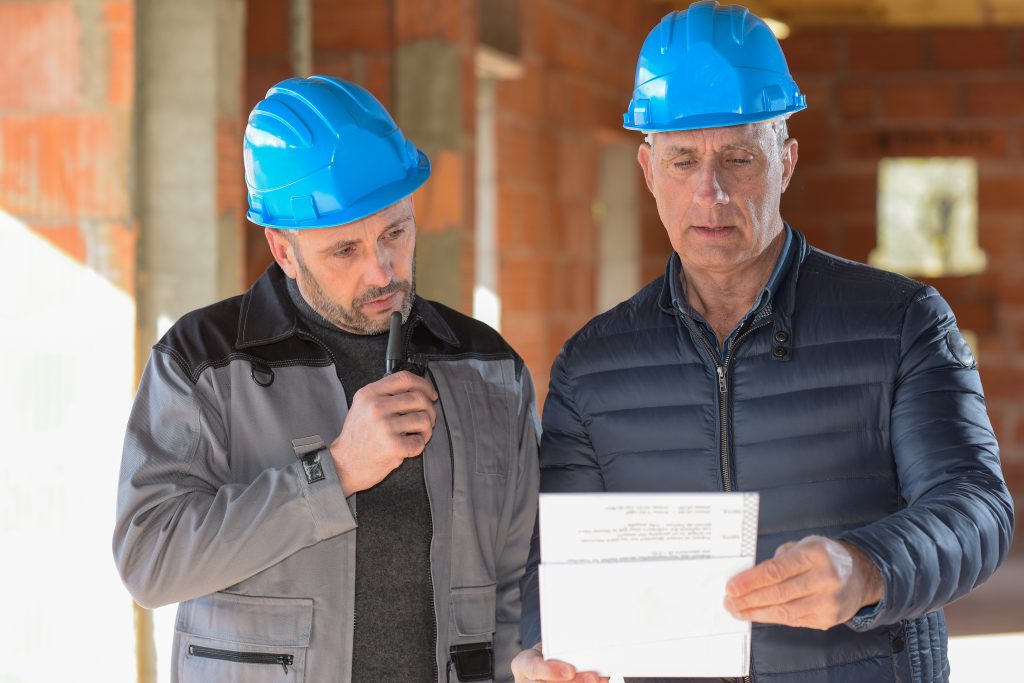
(227, 637)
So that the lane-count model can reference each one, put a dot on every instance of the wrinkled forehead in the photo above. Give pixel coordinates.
(751, 135)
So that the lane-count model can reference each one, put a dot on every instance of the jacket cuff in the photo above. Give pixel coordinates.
(321, 488)
(867, 618)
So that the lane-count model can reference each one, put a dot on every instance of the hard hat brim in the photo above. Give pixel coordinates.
(367, 205)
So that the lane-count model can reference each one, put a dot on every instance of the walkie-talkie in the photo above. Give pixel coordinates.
(395, 357)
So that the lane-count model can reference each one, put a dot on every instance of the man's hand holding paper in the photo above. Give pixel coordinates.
(813, 583)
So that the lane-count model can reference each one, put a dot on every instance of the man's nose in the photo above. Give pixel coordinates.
(709, 191)
(378, 271)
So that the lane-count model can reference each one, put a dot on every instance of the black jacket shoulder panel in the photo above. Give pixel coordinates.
(207, 337)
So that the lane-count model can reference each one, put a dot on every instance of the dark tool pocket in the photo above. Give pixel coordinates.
(472, 662)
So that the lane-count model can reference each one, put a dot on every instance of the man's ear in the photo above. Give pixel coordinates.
(283, 251)
(789, 157)
(643, 157)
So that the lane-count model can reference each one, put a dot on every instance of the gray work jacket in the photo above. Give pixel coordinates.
(229, 502)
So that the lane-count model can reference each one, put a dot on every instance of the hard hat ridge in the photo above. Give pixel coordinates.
(708, 66)
(321, 152)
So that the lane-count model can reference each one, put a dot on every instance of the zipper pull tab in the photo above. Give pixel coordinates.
(722, 386)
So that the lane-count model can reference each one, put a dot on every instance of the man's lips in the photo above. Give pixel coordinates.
(383, 302)
(713, 231)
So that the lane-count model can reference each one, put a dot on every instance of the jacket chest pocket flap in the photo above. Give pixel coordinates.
(490, 437)
(230, 637)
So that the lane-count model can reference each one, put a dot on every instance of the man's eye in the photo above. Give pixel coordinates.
(688, 163)
(345, 252)
(739, 161)
(395, 234)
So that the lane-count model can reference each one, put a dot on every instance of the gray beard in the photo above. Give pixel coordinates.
(354, 320)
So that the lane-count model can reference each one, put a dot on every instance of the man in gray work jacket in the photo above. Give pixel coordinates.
(846, 396)
(316, 519)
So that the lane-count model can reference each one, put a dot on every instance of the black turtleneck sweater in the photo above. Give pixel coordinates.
(394, 637)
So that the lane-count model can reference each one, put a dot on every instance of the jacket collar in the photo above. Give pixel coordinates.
(785, 296)
(267, 314)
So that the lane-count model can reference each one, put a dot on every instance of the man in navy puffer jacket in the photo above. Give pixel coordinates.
(845, 395)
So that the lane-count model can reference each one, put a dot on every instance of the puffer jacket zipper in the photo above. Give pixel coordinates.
(722, 371)
(285, 660)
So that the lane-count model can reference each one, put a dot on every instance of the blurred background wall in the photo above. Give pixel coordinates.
(122, 207)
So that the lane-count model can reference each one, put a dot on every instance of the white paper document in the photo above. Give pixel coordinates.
(633, 584)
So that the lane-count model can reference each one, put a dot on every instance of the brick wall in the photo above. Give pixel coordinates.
(948, 92)
(66, 84)
(579, 59)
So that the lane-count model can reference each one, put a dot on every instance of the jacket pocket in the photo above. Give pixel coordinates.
(473, 611)
(490, 436)
(471, 651)
(228, 637)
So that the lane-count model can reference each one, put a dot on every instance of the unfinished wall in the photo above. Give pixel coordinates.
(941, 92)
(579, 59)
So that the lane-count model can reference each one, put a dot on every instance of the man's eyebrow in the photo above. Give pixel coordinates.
(396, 223)
(338, 246)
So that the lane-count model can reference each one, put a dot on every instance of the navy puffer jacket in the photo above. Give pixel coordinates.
(853, 407)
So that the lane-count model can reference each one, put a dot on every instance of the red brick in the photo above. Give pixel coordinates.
(971, 48)
(812, 51)
(121, 76)
(1001, 241)
(975, 313)
(857, 240)
(540, 34)
(266, 28)
(995, 98)
(521, 96)
(857, 99)
(876, 143)
(447, 20)
(998, 193)
(811, 130)
(1001, 382)
(352, 25)
(886, 50)
(57, 166)
(230, 170)
(841, 191)
(42, 61)
(919, 99)
(1008, 285)
(526, 283)
(509, 216)
(439, 203)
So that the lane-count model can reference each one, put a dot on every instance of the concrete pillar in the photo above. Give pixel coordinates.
(428, 107)
(619, 253)
(189, 93)
(188, 137)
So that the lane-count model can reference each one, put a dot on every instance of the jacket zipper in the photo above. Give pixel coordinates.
(451, 464)
(242, 657)
(722, 370)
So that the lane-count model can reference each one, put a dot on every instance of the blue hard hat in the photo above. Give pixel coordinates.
(710, 66)
(321, 152)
